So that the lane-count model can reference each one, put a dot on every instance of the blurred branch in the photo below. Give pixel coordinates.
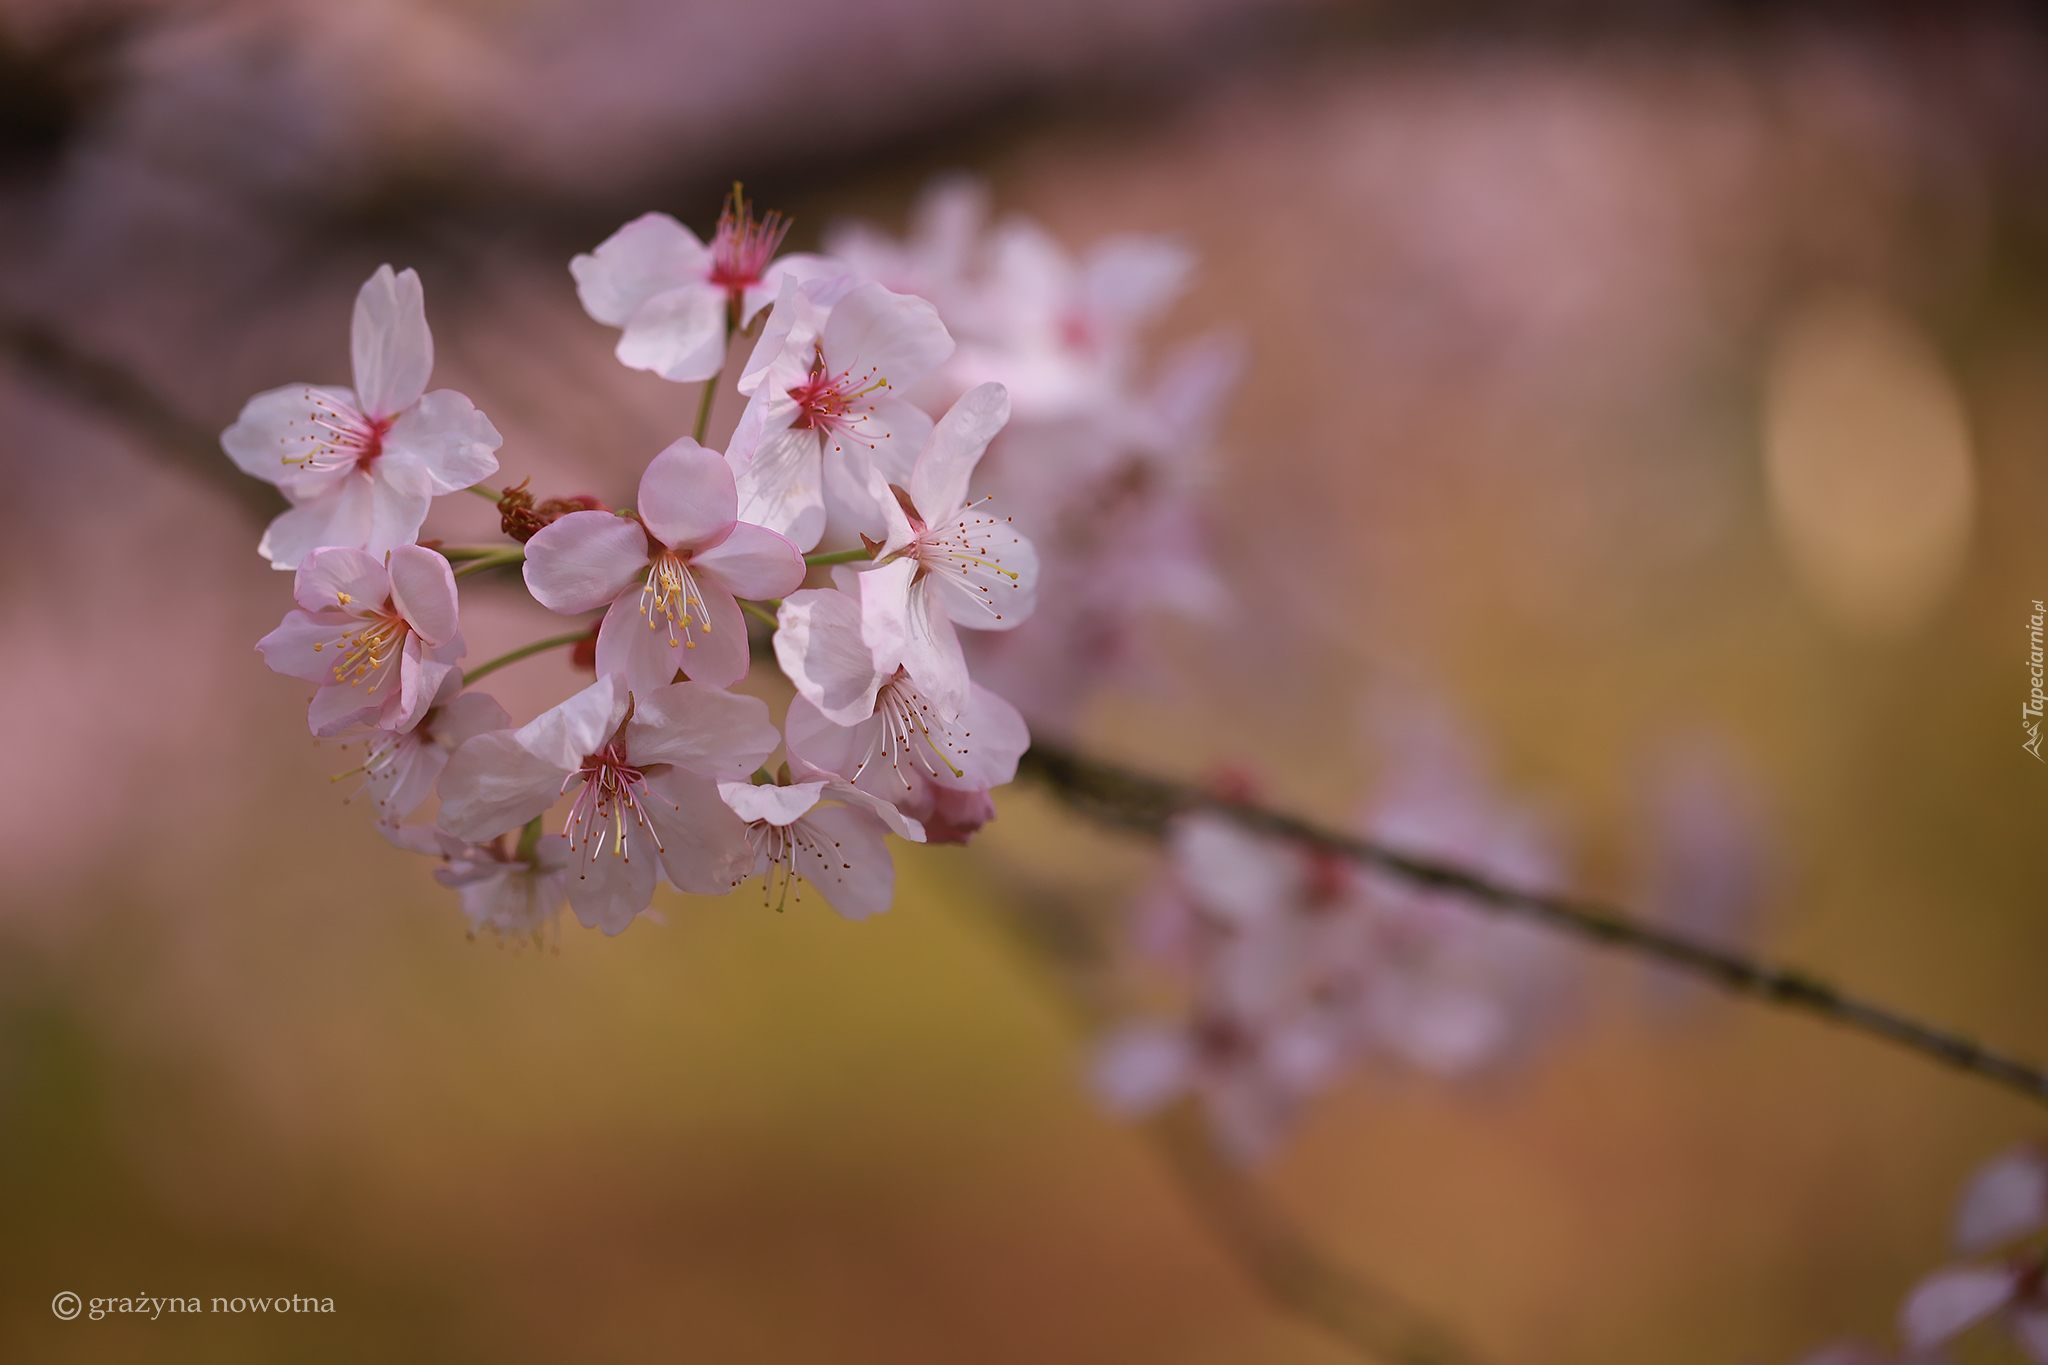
(116, 392)
(1294, 1271)
(1069, 945)
(1119, 796)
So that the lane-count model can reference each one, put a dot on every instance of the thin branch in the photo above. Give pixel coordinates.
(490, 666)
(1136, 800)
(762, 611)
(498, 559)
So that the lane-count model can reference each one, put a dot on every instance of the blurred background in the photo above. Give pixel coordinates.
(1659, 388)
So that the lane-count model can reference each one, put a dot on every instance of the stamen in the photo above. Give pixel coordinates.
(342, 437)
(671, 596)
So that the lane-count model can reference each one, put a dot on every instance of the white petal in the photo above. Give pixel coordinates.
(938, 483)
(389, 342)
(451, 439)
(818, 643)
(776, 805)
(650, 255)
(577, 727)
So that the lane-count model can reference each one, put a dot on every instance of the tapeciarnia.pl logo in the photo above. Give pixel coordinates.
(2030, 714)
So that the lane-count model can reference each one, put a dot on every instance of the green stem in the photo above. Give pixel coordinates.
(762, 611)
(512, 554)
(704, 407)
(838, 557)
(455, 554)
(529, 840)
(484, 491)
(493, 665)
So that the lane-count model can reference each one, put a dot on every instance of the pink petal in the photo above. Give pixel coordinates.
(789, 341)
(607, 888)
(885, 613)
(584, 560)
(452, 441)
(887, 813)
(931, 651)
(406, 778)
(643, 656)
(389, 342)
(337, 707)
(2030, 1329)
(704, 845)
(819, 645)
(987, 597)
(494, 784)
(679, 335)
(1131, 279)
(577, 727)
(419, 679)
(337, 578)
(279, 429)
(1949, 1302)
(461, 717)
(650, 255)
(782, 487)
(753, 562)
(892, 434)
(817, 745)
(423, 590)
(798, 266)
(986, 742)
(1141, 1068)
(776, 805)
(938, 483)
(898, 335)
(2006, 1200)
(341, 515)
(304, 644)
(687, 499)
(400, 494)
(847, 860)
(711, 732)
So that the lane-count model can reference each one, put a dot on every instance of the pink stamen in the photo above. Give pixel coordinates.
(742, 248)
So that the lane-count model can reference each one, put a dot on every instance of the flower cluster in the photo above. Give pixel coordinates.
(2004, 1211)
(1286, 965)
(661, 771)
(1105, 463)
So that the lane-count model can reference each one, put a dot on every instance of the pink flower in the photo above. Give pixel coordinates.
(361, 465)
(2005, 1201)
(839, 848)
(502, 893)
(675, 297)
(400, 767)
(643, 773)
(670, 574)
(947, 562)
(823, 406)
(880, 732)
(1950, 1302)
(1251, 1078)
(381, 642)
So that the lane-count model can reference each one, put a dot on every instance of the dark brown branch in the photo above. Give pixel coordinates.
(1138, 801)
(112, 391)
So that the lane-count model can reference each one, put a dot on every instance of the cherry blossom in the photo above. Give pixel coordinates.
(361, 465)
(675, 297)
(948, 561)
(400, 767)
(880, 731)
(515, 895)
(380, 641)
(641, 771)
(824, 408)
(668, 574)
(838, 848)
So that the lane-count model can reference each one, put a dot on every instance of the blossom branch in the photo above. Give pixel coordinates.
(1066, 944)
(1117, 795)
(511, 554)
(524, 651)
